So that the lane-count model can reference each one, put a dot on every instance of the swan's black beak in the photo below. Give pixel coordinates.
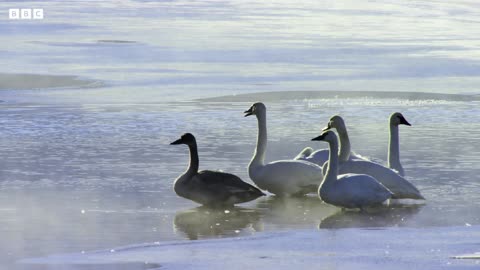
(248, 112)
(319, 138)
(179, 141)
(404, 121)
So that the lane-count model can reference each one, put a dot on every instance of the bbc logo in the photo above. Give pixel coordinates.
(25, 14)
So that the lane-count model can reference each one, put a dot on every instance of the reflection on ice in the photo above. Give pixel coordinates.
(283, 212)
(205, 222)
(378, 217)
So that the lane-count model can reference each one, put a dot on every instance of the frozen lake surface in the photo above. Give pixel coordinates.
(358, 249)
(92, 95)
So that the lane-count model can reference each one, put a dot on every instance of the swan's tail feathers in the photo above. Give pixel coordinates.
(357, 156)
(420, 197)
(248, 195)
(307, 151)
(413, 196)
(258, 192)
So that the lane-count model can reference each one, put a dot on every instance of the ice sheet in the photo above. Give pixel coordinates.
(318, 249)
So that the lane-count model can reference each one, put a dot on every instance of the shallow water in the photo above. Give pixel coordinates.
(89, 166)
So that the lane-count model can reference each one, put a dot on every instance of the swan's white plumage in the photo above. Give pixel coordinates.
(355, 191)
(348, 190)
(390, 177)
(399, 186)
(358, 164)
(284, 177)
(287, 177)
(319, 157)
(307, 151)
(316, 157)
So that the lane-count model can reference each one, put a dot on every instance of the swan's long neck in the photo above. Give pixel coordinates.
(259, 154)
(332, 169)
(394, 149)
(191, 171)
(194, 163)
(345, 149)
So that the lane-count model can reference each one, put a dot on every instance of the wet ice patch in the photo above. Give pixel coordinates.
(39, 81)
(115, 41)
(375, 102)
(330, 97)
(475, 256)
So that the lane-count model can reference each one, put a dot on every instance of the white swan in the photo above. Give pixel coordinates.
(284, 177)
(348, 190)
(401, 188)
(396, 119)
(319, 157)
(211, 188)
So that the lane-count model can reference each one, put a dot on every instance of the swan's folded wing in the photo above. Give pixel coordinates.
(401, 188)
(318, 157)
(295, 172)
(231, 182)
(307, 151)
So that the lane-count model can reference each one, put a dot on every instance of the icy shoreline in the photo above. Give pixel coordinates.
(394, 248)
